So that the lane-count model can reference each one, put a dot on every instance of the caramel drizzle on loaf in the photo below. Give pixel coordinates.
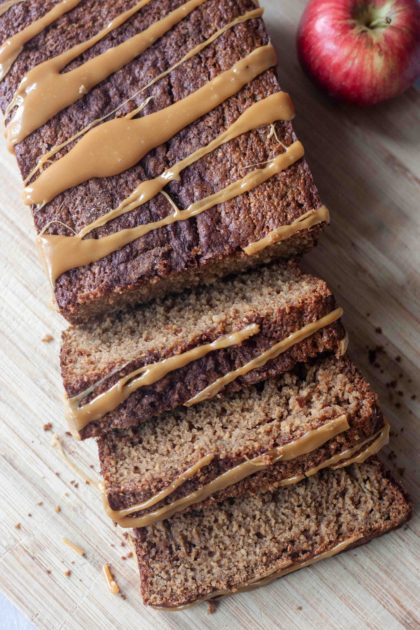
(273, 575)
(81, 415)
(46, 89)
(278, 106)
(309, 442)
(119, 144)
(12, 47)
(62, 253)
(283, 232)
(114, 146)
(66, 252)
(46, 157)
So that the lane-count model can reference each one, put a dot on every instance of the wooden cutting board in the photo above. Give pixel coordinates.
(367, 166)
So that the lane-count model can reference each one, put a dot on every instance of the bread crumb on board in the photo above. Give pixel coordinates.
(212, 606)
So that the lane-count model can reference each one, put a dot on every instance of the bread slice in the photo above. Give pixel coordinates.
(188, 251)
(124, 369)
(248, 541)
(273, 433)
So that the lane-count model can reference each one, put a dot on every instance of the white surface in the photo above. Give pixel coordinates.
(11, 618)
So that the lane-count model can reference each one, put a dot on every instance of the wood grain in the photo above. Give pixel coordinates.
(367, 167)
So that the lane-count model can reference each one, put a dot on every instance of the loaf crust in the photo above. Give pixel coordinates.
(192, 251)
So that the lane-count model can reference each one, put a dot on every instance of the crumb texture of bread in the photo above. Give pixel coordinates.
(138, 463)
(201, 248)
(279, 298)
(226, 546)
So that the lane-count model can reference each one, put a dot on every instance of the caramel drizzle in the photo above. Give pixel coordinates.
(46, 157)
(8, 5)
(81, 416)
(119, 516)
(240, 472)
(352, 455)
(308, 442)
(76, 548)
(58, 444)
(110, 579)
(117, 145)
(270, 354)
(273, 575)
(283, 232)
(46, 90)
(278, 106)
(63, 253)
(12, 47)
(381, 440)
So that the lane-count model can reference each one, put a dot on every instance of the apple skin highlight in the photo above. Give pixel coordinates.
(361, 51)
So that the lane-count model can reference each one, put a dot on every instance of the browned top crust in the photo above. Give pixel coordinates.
(280, 299)
(193, 250)
(224, 546)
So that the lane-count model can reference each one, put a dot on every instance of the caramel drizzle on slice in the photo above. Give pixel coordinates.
(119, 516)
(46, 157)
(8, 5)
(12, 47)
(273, 575)
(310, 441)
(270, 354)
(345, 458)
(63, 253)
(356, 454)
(46, 90)
(117, 145)
(382, 439)
(283, 232)
(81, 415)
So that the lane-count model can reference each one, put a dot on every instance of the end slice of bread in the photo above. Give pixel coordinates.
(247, 541)
(276, 432)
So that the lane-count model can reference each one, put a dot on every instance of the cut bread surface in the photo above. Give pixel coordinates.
(234, 545)
(279, 300)
(294, 423)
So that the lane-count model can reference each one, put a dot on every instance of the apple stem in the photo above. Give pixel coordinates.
(380, 23)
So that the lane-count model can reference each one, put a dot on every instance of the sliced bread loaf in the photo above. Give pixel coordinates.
(126, 368)
(248, 541)
(273, 433)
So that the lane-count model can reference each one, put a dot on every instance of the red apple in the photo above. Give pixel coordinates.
(362, 51)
